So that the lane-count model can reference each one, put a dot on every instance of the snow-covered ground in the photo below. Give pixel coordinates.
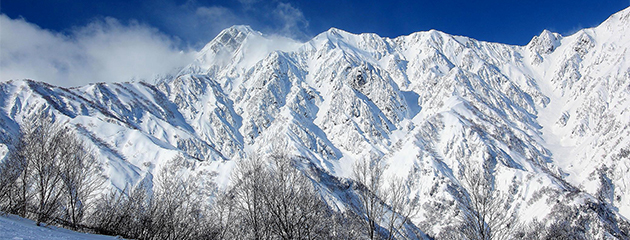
(16, 228)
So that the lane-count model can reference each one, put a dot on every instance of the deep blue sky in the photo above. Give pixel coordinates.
(506, 21)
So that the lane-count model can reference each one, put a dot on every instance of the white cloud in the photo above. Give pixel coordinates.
(107, 50)
(259, 47)
(103, 51)
(197, 23)
(293, 21)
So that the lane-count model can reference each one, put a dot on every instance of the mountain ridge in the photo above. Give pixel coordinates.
(550, 117)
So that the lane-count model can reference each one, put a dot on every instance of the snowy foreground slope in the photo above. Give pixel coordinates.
(551, 118)
(16, 228)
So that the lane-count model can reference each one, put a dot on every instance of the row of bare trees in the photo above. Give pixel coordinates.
(269, 199)
(49, 176)
(272, 199)
(53, 178)
(172, 209)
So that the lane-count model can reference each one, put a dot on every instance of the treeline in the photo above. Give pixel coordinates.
(269, 200)
(52, 178)
(49, 176)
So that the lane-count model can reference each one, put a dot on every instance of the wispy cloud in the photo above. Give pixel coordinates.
(198, 23)
(103, 51)
(194, 23)
(108, 50)
(293, 21)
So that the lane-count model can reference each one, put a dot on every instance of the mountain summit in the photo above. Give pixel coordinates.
(549, 121)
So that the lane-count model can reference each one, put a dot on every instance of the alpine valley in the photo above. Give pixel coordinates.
(550, 120)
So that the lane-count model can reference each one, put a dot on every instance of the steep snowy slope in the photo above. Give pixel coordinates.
(586, 125)
(134, 128)
(549, 120)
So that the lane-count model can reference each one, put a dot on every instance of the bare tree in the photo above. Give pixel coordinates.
(402, 206)
(48, 169)
(178, 207)
(42, 145)
(273, 199)
(378, 200)
(485, 210)
(247, 193)
(169, 205)
(17, 174)
(8, 174)
(125, 213)
(369, 174)
(10, 170)
(80, 175)
(222, 216)
(297, 212)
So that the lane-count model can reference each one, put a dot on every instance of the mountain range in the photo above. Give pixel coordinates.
(550, 119)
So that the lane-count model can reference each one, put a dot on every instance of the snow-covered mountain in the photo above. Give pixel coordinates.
(551, 118)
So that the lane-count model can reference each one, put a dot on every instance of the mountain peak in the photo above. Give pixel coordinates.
(245, 29)
(336, 33)
(545, 43)
(234, 36)
(230, 38)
